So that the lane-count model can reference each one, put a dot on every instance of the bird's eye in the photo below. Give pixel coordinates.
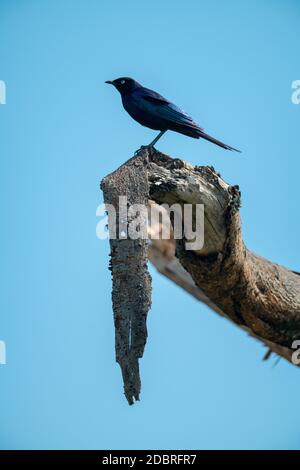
(122, 82)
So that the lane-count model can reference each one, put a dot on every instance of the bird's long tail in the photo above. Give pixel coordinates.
(205, 136)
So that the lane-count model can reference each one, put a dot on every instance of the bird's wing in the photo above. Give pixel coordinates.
(152, 96)
(165, 109)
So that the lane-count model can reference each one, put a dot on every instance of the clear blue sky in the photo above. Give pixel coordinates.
(228, 63)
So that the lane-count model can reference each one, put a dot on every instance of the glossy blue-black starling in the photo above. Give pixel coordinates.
(153, 110)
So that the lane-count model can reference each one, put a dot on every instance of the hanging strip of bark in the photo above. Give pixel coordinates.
(131, 292)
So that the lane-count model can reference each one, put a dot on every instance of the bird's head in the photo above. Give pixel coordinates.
(124, 84)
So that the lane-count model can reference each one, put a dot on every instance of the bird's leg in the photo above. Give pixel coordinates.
(151, 143)
(156, 139)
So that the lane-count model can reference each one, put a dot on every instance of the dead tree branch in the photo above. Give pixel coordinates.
(261, 297)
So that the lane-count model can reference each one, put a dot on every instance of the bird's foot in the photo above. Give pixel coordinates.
(143, 147)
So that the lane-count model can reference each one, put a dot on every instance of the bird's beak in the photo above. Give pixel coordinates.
(109, 82)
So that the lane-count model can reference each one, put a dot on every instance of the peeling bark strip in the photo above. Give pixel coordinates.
(261, 297)
(131, 294)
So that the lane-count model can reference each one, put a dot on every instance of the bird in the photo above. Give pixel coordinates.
(152, 110)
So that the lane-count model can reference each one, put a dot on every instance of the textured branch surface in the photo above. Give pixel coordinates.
(261, 297)
(131, 294)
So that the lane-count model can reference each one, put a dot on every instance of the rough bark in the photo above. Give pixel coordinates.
(131, 293)
(261, 297)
